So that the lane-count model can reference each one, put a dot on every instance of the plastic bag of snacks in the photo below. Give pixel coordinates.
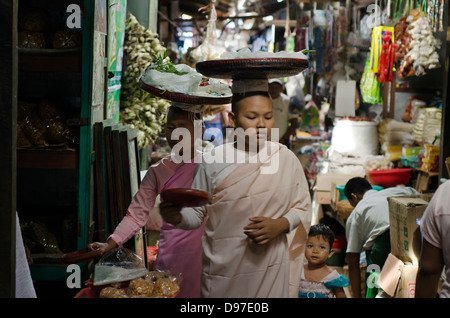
(430, 160)
(155, 284)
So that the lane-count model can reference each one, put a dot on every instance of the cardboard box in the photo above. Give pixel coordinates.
(397, 279)
(404, 211)
(335, 195)
(407, 284)
(324, 181)
(326, 185)
(323, 197)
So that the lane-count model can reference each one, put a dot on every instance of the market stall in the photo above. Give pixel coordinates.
(370, 101)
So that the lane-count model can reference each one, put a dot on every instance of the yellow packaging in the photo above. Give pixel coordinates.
(377, 43)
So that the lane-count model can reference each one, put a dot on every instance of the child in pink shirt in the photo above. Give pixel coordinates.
(179, 251)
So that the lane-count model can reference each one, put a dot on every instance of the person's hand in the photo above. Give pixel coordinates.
(103, 247)
(262, 230)
(170, 212)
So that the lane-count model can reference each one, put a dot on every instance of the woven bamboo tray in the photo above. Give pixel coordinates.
(253, 68)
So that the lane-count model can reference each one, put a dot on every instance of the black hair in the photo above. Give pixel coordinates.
(237, 97)
(356, 185)
(324, 231)
(178, 110)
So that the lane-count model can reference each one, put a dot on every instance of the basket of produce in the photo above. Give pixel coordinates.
(344, 209)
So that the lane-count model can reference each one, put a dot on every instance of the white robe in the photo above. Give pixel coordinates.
(234, 266)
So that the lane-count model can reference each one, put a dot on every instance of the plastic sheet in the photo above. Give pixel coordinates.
(172, 82)
(245, 53)
(118, 265)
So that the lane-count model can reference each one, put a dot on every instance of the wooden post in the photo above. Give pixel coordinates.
(8, 141)
(385, 98)
(392, 97)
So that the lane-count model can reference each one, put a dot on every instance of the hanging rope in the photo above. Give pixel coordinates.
(212, 20)
(287, 29)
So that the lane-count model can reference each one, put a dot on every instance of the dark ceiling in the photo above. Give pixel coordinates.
(226, 8)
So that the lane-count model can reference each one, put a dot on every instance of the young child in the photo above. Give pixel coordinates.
(179, 251)
(319, 280)
(246, 251)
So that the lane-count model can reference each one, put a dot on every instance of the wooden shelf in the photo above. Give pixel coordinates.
(424, 182)
(416, 90)
(50, 62)
(47, 159)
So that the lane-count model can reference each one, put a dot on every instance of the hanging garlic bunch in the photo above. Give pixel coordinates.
(422, 54)
(139, 109)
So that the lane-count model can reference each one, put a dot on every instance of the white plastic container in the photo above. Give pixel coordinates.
(355, 137)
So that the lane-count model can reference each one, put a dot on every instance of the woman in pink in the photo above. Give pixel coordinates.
(179, 251)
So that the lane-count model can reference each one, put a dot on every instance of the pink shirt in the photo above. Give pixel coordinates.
(144, 200)
(179, 251)
(435, 228)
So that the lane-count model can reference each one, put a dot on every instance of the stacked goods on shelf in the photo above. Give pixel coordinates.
(138, 108)
(412, 156)
(43, 124)
(430, 161)
(428, 125)
(416, 45)
(393, 135)
(36, 31)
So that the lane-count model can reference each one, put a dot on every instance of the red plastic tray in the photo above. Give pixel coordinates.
(79, 256)
(186, 197)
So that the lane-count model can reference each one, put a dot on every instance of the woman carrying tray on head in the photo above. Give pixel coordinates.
(260, 211)
(179, 251)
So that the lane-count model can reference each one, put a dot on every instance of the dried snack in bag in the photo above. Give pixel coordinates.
(140, 287)
(66, 39)
(165, 285)
(113, 292)
(165, 288)
(34, 19)
(30, 39)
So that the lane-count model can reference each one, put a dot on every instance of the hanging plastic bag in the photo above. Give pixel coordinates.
(209, 49)
(370, 86)
(118, 265)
